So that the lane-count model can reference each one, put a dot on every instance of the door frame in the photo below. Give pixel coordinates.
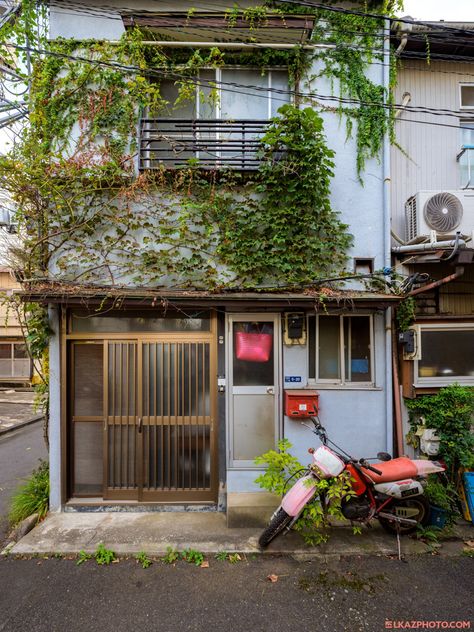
(275, 317)
(165, 496)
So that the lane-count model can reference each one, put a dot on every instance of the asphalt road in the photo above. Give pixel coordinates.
(354, 594)
(20, 451)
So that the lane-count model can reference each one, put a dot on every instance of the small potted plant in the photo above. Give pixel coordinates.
(442, 502)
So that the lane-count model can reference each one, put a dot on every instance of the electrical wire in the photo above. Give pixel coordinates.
(256, 90)
(439, 28)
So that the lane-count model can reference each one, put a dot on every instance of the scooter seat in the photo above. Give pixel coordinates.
(394, 470)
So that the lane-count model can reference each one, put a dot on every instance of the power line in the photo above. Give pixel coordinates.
(377, 16)
(234, 86)
(95, 11)
(256, 89)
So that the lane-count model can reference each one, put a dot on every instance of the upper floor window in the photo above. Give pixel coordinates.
(466, 155)
(341, 350)
(467, 96)
(219, 125)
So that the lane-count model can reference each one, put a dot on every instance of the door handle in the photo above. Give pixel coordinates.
(270, 390)
(140, 424)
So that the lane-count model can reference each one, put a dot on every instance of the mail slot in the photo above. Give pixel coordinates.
(301, 403)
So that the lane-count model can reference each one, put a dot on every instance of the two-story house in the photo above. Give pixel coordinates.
(164, 387)
(433, 200)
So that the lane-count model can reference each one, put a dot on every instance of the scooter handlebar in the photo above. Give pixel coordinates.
(367, 466)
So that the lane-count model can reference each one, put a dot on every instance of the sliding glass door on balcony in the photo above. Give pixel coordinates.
(220, 125)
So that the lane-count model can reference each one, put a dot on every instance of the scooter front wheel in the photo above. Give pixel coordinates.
(279, 521)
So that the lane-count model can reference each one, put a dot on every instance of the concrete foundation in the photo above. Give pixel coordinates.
(250, 509)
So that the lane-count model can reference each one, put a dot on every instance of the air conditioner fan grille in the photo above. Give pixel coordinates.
(443, 212)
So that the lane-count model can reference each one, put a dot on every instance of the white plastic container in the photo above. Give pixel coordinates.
(328, 463)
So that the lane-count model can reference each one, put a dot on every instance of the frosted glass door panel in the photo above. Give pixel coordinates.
(254, 425)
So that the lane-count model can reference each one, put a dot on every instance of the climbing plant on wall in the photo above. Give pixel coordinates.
(87, 217)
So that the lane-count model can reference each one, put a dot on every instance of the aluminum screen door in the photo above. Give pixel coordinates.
(160, 431)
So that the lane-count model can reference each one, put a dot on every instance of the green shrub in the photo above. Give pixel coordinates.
(450, 412)
(31, 497)
(442, 496)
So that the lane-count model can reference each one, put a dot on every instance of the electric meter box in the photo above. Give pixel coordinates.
(301, 403)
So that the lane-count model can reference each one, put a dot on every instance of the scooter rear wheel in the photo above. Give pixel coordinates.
(279, 521)
(418, 502)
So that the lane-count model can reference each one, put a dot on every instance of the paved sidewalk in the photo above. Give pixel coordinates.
(16, 410)
(129, 533)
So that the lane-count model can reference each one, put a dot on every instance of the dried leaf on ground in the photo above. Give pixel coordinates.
(204, 564)
(272, 578)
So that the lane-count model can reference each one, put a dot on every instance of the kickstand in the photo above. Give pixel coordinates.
(400, 558)
(399, 543)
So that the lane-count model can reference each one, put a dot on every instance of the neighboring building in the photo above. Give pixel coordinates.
(433, 201)
(159, 401)
(15, 363)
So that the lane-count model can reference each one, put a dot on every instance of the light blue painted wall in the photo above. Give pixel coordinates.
(355, 419)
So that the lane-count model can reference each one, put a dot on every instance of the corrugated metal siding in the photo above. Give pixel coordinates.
(430, 163)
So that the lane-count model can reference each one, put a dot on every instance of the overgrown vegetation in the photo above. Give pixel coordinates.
(282, 469)
(450, 412)
(87, 218)
(32, 496)
(406, 313)
(104, 556)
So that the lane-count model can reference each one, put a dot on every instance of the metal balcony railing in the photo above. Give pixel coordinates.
(214, 143)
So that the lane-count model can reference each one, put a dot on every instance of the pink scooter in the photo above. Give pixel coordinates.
(390, 491)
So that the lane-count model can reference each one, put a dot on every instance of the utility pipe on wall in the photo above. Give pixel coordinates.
(431, 246)
(387, 245)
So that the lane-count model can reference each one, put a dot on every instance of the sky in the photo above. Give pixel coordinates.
(452, 10)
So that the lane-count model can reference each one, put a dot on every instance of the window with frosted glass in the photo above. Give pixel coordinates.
(340, 349)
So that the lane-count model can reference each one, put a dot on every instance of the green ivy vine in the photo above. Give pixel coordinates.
(88, 218)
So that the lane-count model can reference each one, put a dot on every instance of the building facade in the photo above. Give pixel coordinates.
(165, 394)
(433, 202)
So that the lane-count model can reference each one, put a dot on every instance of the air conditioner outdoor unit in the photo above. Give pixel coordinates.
(445, 212)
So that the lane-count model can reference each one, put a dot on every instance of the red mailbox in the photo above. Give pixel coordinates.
(301, 403)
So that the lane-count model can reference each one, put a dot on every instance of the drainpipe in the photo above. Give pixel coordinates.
(387, 246)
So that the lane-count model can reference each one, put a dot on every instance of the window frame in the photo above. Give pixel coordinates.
(342, 382)
(464, 158)
(421, 382)
(14, 361)
(465, 84)
(218, 80)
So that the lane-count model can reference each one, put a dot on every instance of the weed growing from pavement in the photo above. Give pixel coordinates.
(103, 555)
(221, 556)
(171, 556)
(83, 557)
(192, 556)
(32, 496)
(234, 558)
(143, 559)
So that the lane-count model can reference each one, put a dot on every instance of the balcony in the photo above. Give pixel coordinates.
(213, 143)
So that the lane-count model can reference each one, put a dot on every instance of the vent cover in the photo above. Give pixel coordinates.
(443, 212)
